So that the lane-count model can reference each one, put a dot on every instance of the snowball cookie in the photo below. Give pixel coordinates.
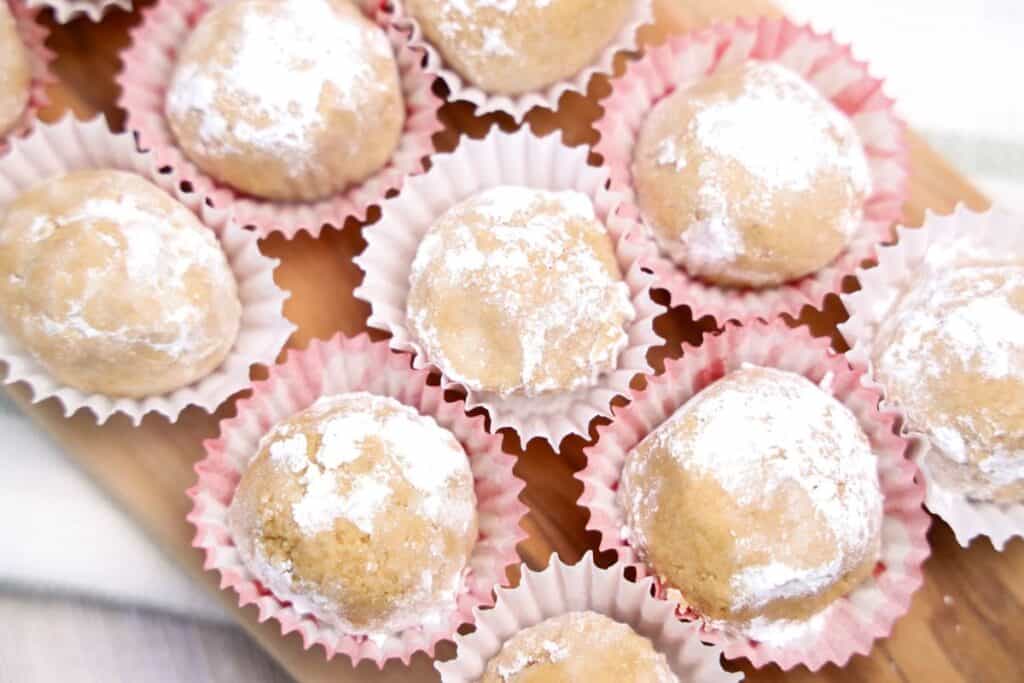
(517, 291)
(951, 354)
(287, 99)
(751, 177)
(114, 286)
(361, 511)
(510, 47)
(15, 72)
(758, 499)
(578, 647)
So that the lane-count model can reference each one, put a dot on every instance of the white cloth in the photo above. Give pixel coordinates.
(951, 65)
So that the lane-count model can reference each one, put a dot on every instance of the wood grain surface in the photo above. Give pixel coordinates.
(965, 623)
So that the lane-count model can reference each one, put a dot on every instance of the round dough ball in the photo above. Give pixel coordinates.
(287, 100)
(751, 178)
(578, 647)
(758, 500)
(517, 291)
(510, 47)
(951, 354)
(360, 511)
(114, 286)
(15, 72)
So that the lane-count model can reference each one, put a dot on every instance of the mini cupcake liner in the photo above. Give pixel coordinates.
(563, 588)
(148, 67)
(337, 366)
(513, 159)
(853, 622)
(34, 36)
(518, 106)
(829, 67)
(70, 145)
(899, 266)
(66, 10)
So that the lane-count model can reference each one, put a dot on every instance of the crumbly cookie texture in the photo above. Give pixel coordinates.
(512, 47)
(114, 286)
(15, 72)
(287, 100)
(751, 178)
(360, 511)
(759, 501)
(578, 647)
(518, 291)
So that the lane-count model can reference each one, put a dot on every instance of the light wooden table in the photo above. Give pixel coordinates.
(975, 634)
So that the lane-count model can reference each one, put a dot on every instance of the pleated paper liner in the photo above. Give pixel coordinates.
(899, 266)
(66, 10)
(829, 67)
(70, 145)
(338, 366)
(627, 40)
(521, 159)
(852, 623)
(563, 588)
(148, 68)
(34, 37)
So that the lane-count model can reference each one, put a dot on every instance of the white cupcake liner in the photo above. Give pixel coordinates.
(344, 365)
(66, 10)
(627, 40)
(69, 145)
(832, 69)
(563, 588)
(899, 266)
(508, 159)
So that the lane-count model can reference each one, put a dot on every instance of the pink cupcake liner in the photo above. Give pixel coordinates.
(148, 66)
(851, 623)
(899, 266)
(518, 106)
(507, 159)
(337, 366)
(69, 145)
(829, 67)
(66, 10)
(563, 588)
(34, 36)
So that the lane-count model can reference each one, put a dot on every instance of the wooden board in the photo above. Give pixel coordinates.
(965, 624)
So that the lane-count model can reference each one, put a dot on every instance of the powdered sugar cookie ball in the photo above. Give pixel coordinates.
(951, 354)
(360, 511)
(286, 100)
(114, 286)
(516, 46)
(15, 72)
(578, 647)
(758, 500)
(517, 291)
(751, 177)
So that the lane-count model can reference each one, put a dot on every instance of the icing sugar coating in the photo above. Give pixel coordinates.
(114, 286)
(518, 46)
(15, 72)
(580, 647)
(759, 500)
(951, 353)
(290, 100)
(517, 290)
(360, 511)
(751, 177)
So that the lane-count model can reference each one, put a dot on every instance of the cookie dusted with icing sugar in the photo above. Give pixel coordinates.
(287, 99)
(360, 511)
(114, 286)
(578, 647)
(951, 354)
(751, 178)
(759, 501)
(511, 47)
(15, 72)
(518, 291)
